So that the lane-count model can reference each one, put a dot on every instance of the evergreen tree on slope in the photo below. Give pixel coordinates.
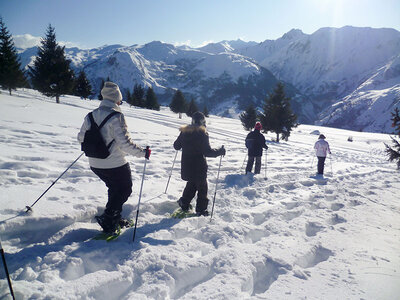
(249, 118)
(205, 111)
(100, 96)
(192, 108)
(51, 74)
(82, 88)
(151, 100)
(178, 103)
(394, 151)
(278, 116)
(11, 75)
(138, 96)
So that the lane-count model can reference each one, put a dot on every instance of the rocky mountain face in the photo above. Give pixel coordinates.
(224, 81)
(344, 77)
(350, 74)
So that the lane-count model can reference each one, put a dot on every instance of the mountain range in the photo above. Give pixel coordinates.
(345, 77)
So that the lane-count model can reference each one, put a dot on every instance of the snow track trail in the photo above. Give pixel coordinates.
(290, 236)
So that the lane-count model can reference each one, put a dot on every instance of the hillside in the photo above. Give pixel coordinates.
(282, 234)
(341, 70)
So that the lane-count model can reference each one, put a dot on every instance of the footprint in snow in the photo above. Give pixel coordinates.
(315, 256)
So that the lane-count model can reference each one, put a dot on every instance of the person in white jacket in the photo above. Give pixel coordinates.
(321, 149)
(113, 170)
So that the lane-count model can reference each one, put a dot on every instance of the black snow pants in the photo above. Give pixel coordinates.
(201, 187)
(119, 183)
(250, 163)
(321, 164)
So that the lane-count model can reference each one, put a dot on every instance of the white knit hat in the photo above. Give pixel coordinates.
(111, 91)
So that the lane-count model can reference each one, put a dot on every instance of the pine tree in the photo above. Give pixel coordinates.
(100, 96)
(151, 100)
(278, 116)
(205, 111)
(394, 151)
(192, 108)
(51, 74)
(11, 75)
(128, 97)
(82, 88)
(178, 103)
(138, 96)
(249, 118)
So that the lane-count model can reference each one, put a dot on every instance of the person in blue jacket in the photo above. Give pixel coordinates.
(255, 142)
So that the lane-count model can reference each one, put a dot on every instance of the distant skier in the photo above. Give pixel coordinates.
(255, 142)
(195, 145)
(321, 149)
(114, 170)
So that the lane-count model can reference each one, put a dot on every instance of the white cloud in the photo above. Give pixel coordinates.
(26, 41)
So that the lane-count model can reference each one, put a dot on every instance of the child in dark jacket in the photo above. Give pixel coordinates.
(255, 142)
(195, 145)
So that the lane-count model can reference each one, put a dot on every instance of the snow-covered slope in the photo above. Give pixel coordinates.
(334, 65)
(330, 62)
(226, 46)
(286, 235)
(369, 107)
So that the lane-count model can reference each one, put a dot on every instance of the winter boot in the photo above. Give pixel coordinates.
(109, 220)
(202, 213)
(184, 207)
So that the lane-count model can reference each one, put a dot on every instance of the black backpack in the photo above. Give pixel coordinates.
(93, 144)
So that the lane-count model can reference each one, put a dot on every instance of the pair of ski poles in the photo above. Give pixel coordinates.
(216, 183)
(265, 165)
(29, 208)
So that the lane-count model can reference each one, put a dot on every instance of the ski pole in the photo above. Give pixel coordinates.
(170, 173)
(6, 269)
(312, 162)
(29, 208)
(216, 185)
(140, 193)
(244, 160)
(265, 167)
(330, 158)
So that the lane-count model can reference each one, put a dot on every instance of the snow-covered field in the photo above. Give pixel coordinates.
(287, 236)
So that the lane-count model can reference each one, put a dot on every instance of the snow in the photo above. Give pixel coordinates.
(287, 236)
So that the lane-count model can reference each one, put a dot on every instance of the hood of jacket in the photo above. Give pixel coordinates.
(192, 128)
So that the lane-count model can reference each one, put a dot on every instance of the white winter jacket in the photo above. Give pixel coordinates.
(322, 148)
(115, 129)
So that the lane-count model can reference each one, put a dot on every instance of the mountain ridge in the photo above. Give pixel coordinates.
(321, 71)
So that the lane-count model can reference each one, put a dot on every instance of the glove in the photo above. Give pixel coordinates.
(147, 152)
(222, 151)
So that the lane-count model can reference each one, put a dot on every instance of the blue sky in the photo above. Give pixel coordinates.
(93, 23)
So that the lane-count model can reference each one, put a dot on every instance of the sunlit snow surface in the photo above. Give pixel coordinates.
(286, 235)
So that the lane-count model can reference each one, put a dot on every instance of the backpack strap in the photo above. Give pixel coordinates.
(108, 118)
(104, 121)
(92, 122)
